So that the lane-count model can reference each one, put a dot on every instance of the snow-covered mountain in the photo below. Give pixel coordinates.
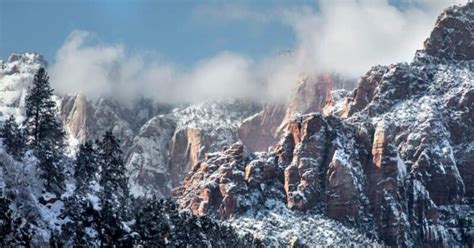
(160, 142)
(392, 159)
(16, 74)
(389, 163)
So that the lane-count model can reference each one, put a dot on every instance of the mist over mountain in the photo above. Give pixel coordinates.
(336, 37)
(360, 135)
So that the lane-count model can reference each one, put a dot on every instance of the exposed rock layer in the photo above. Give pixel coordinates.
(310, 95)
(397, 162)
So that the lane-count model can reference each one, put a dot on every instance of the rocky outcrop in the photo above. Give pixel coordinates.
(310, 95)
(16, 75)
(77, 115)
(202, 128)
(336, 103)
(395, 160)
(147, 158)
(227, 183)
(453, 34)
(261, 130)
(160, 144)
(364, 93)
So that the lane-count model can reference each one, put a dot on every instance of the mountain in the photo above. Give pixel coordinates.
(310, 94)
(16, 74)
(391, 160)
(161, 142)
(389, 163)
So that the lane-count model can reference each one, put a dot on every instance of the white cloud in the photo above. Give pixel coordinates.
(85, 65)
(343, 36)
(351, 36)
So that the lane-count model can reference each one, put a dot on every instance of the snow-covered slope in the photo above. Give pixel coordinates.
(168, 145)
(393, 159)
(160, 144)
(35, 212)
(16, 74)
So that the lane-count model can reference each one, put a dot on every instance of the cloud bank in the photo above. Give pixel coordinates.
(347, 37)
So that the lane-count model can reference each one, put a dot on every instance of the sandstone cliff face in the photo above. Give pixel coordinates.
(395, 159)
(147, 158)
(160, 146)
(310, 95)
(260, 131)
(76, 115)
(202, 128)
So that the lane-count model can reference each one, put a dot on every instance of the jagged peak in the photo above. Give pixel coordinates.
(28, 56)
(453, 35)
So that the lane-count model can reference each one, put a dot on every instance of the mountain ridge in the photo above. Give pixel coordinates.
(393, 158)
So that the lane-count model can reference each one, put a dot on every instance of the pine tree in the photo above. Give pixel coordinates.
(86, 166)
(160, 223)
(113, 177)
(150, 222)
(13, 138)
(22, 233)
(45, 132)
(54, 241)
(114, 187)
(79, 207)
(82, 214)
(5, 222)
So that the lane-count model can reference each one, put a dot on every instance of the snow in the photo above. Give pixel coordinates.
(15, 77)
(94, 200)
(277, 225)
(22, 180)
(402, 167)
(338, 98)
(148, 155)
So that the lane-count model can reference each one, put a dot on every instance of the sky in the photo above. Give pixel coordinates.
(188, 51)
(181, 31)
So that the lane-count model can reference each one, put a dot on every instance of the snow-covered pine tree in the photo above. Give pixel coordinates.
(6, 222)
(114, 190)
(150, 222)
(113, 179)
(13, 138)
(73, 232)
(86, 167)
(45, 132)
(22, 233)
(79, 207)
(160, 223)
(54, 241)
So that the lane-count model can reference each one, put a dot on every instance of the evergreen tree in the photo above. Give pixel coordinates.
(54, 241)
(114, 190)
(82, 214)
(45, 132)
(78, 207)
(22, 233)
(86, 166)
(5, 222)
(160, 223)
(150, 222)
(113, 179)
(13, 138)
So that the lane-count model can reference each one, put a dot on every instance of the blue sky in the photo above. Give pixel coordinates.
(178, 30)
